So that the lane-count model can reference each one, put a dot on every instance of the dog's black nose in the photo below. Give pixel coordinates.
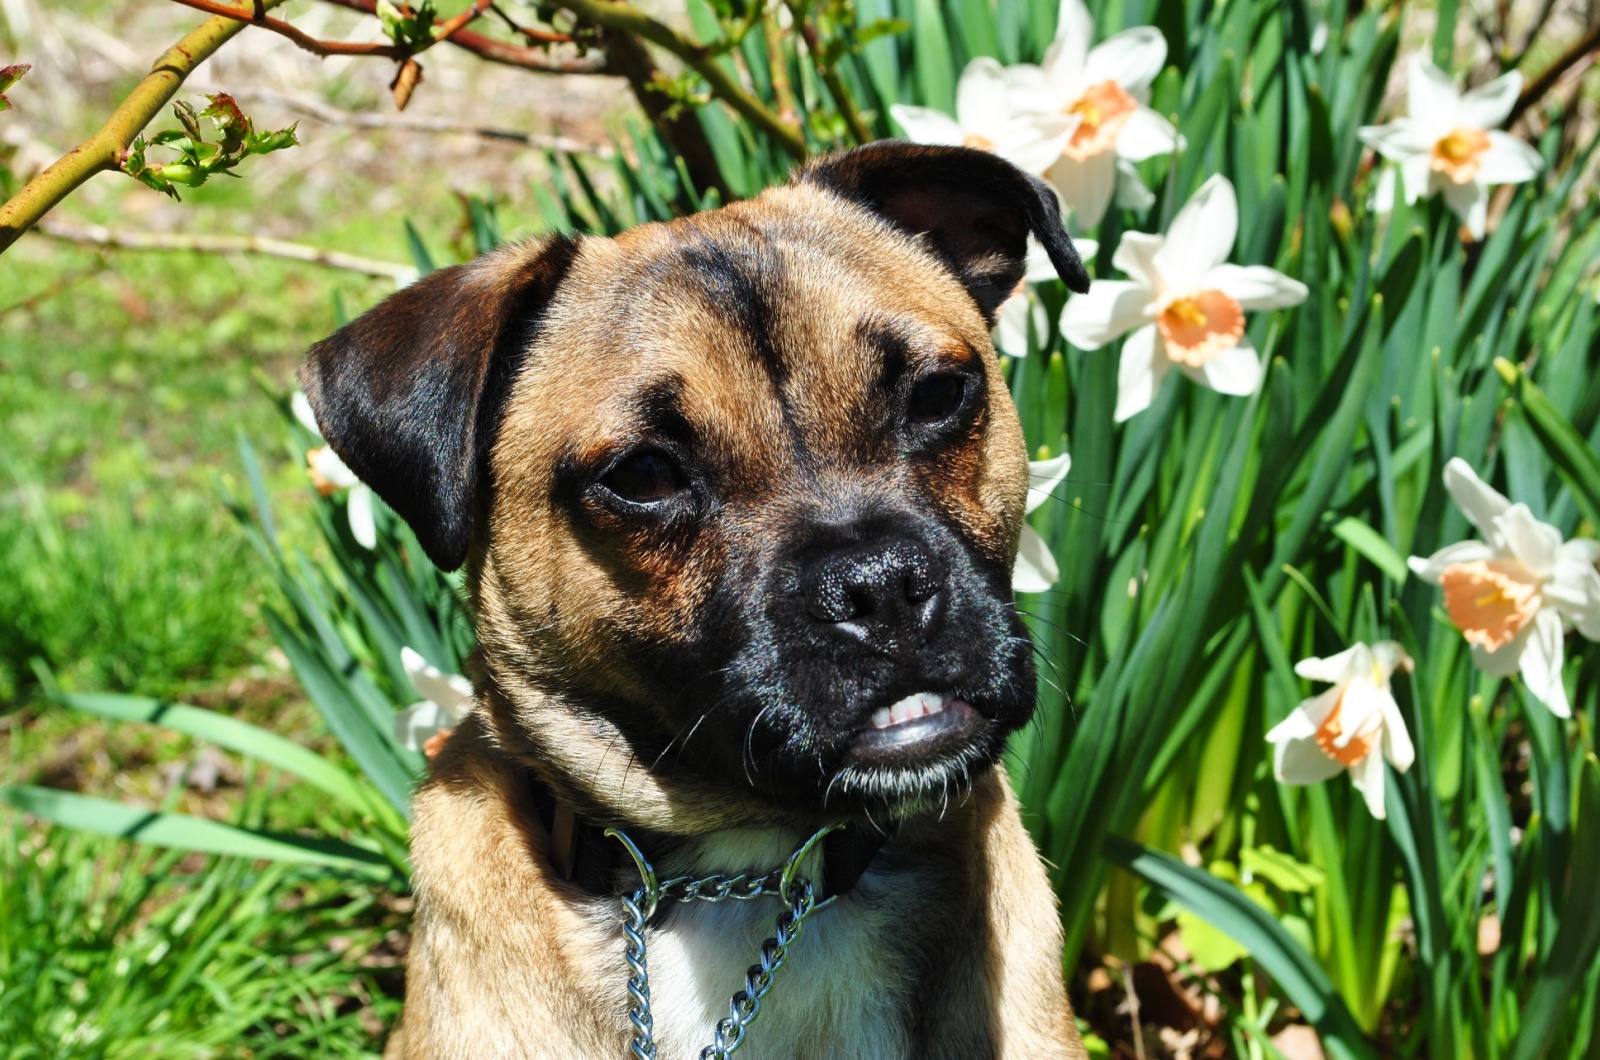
(879, 591)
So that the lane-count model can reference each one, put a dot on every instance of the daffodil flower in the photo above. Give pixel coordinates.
(1035, 569)
(986, 120)
(329, 473)
(1448, 143)
(426, 724)
(1184, 306)
(1023, 309)
(1105, 90)
(1341, 728)
(1514, 593)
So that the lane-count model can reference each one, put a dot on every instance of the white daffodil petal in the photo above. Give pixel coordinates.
(1131, 194)
(1030, 91)
(1575, 589)
(1541, 663)
(1431, 96)
(1132, 58)
(452, 692)
(1382, 200)
(1035, 569)
(1368, 777)
(926, 125)
(1086, 187)
(1068, 53)
(1037, 266)
(1256, 286)
(1508, 160)
(981, 96)
(1044, 476)
(300, 405)
(1416, 177)
(358, 509)
(1470, 202)
(1461, 552)
(1397, 141)
(1139, 373)
(1200, 238)
(1397, 746)
(1506, 659)
(1110, 309)
(1301, 761)
(326, 462)
(1146, 135)
(415, 725)
(1488, 106)
(1236, 370)
(1031, 147)
(1334, 668)
(1012, 321)
(1537, 545)
(1134, 256)
(1480, 502)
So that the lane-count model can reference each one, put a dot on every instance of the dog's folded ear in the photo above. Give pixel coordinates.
(411, 393)
(975, 208)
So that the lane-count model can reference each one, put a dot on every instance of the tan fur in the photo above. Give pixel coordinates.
(955, 919)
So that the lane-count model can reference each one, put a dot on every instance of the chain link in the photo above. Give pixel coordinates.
(785, 883)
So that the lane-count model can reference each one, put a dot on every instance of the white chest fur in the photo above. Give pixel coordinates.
(842, 993)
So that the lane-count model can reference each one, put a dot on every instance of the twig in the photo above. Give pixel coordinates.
(528, 33)
(100, 236)
(1542, 84)
(499, 51)
(304, 40)
(830, 77)
(622, 17)
(329, 115)
(104, 150)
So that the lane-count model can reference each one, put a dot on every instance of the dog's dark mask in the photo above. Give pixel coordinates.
(743, 491)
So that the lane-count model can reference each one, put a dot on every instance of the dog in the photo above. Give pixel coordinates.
(739, 497)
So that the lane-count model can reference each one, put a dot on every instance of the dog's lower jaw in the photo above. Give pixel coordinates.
(948, 949)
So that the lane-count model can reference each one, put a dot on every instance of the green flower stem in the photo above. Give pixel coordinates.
(103, 151)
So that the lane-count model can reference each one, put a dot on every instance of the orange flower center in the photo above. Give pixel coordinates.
(1459, 154)
(1490, 600)
(1200, 326)
(1332, 730)
(435, 743)
(1102, 111)
(324, 486)
(981, 143)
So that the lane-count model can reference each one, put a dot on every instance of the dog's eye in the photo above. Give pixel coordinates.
(644, 478)
(936, 398)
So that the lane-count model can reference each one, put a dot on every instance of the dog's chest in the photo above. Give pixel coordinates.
(843, 992)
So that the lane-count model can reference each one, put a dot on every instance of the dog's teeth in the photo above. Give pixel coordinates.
(920, 705)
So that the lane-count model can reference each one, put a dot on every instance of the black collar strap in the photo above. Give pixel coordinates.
(581, 853)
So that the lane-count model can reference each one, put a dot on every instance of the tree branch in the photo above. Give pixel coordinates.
(495, 51)
(619, 16)
(1535, 91)
(100, 236)
(681, 128)
(317, 110)
(304, 40)
(104, 150)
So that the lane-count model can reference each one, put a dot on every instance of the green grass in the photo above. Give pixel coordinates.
(110, 951)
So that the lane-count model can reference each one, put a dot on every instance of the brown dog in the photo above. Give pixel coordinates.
(740, 497)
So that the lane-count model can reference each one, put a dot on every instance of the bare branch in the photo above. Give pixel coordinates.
(100, 236)
(317, 110)
(309, 43)
(104, 150)
(1581, 50)
(500, 52)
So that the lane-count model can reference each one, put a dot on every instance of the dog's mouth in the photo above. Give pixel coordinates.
(921, 724)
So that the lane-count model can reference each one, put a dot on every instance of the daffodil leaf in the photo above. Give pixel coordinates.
(1372, 545)
(1567, 449)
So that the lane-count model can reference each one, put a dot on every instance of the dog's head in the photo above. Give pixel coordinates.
(741, 493)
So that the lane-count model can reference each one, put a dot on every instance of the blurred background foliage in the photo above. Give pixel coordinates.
(160, 538)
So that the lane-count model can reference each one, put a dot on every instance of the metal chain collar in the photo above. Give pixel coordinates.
(784, 883)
